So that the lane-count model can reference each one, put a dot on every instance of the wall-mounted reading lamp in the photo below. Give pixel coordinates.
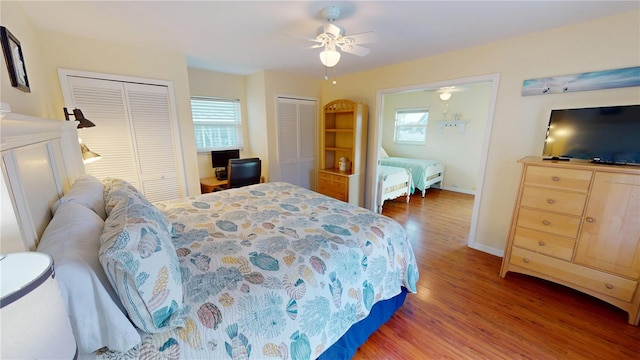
(83, 122)
(88, 156)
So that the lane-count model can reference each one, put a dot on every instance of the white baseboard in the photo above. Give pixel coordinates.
(464, 191)
(488, 250)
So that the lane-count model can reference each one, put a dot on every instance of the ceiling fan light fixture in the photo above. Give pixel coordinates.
(445, 96)
(329, 58)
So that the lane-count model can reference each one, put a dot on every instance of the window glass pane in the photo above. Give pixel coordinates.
(411, 126)
(408, 118)
(216, 123)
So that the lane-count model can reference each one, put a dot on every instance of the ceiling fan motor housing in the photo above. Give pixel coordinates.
(331, 13)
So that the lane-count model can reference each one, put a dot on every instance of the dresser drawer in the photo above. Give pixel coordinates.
(558, 224)
(567, 179)
(598, 281)
(544, 243)
(333, 178)
(553, 200)
(333, 185)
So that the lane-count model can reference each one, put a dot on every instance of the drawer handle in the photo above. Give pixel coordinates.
(545, 222)
(550, 201)
(590, 219)
(525, 260)
(555, 178)
(541, 243)
(608, 286)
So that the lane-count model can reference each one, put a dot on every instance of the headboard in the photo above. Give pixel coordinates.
(40, 160)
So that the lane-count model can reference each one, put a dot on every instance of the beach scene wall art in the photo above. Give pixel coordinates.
(595, 80)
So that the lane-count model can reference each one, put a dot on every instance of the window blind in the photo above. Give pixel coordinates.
(217, 123)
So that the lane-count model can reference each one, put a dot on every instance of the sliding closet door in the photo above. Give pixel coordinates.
(135, 133)
(297, 141)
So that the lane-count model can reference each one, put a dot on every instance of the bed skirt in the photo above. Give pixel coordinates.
(358, 333)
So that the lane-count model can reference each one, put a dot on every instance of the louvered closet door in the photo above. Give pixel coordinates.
(134, 133)
(297, 141)
(103, 102)
(153, 139)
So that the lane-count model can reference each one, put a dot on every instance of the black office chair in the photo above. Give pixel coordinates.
(243, 172)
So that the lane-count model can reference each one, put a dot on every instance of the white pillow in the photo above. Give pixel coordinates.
(87, 191)
(98, 319)
(383, 154)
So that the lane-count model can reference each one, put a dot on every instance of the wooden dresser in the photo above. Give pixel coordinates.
(578, 224)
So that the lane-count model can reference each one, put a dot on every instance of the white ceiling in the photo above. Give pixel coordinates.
(243, 37)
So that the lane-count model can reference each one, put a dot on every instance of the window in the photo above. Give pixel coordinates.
(216, 123)
(411, 126)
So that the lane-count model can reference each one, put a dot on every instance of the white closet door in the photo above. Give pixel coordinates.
(153, 136)
(135, 133)
(297, 141)
(103, 102)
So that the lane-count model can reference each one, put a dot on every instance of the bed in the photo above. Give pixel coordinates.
(268, 271)
(393, 182)
(424, 173)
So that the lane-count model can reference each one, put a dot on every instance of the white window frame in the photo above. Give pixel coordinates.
(228, 119)
(419, 126)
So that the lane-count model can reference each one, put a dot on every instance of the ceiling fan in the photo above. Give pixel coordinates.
(446, 92)
(332, 37)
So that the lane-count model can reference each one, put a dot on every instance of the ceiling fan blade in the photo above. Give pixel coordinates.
(316, 46)
(355, 49)
(332, 29)
(362, 38)
(302, 37)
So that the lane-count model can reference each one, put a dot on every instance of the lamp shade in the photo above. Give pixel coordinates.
(88, 156)
(445, 96)
(329, 58)
(33, 316)
(83, 122)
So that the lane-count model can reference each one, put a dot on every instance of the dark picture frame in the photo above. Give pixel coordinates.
(15, 60)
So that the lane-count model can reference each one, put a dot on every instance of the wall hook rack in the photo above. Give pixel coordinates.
(460, 124)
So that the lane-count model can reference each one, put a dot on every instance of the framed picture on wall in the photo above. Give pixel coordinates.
(15, 60)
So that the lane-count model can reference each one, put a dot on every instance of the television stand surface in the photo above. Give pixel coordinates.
(210, 184)
(556, 158)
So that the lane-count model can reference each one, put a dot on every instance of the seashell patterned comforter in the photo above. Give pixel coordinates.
(275, 271)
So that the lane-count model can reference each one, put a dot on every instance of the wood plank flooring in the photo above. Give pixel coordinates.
(465, 310)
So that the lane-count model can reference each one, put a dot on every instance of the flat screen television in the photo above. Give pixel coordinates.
(602, 134)
(220, 158)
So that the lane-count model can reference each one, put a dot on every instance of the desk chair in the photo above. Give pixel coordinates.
(243, 172)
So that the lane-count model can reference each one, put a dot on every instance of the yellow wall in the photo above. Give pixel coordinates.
(77, 53)
(520, 121)
(37, 102)
(257, 119)
(56, 50)
(518, 128)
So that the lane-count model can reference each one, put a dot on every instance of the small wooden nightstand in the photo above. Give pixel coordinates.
(210, 184)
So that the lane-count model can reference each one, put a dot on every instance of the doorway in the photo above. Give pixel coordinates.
(377, 129)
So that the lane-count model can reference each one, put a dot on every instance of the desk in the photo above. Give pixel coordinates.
(209, 184)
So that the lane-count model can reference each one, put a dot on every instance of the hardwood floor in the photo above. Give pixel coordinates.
(465, 310)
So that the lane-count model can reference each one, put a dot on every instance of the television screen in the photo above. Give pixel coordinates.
(220, 158)
(602, 134)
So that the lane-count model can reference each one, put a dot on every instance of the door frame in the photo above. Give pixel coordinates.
(374, 147)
